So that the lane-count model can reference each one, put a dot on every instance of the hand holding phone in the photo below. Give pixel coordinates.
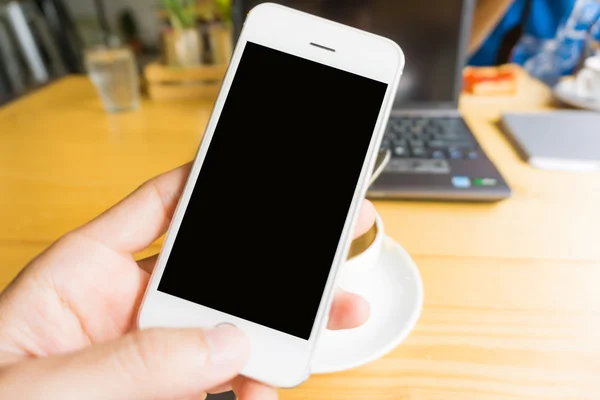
(298, 89)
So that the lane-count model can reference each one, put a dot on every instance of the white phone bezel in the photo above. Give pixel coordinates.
(277, 358)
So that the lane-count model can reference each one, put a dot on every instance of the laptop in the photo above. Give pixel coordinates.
(434, 155)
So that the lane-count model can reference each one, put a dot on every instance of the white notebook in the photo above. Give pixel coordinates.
(566, 140)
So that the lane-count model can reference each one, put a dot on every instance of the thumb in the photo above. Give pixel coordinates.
(151, 364)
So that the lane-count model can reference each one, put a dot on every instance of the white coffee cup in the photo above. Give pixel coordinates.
(353, 275)
(587, 82)
(365, 249)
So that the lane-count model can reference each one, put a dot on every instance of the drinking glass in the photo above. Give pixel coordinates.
(113, 71)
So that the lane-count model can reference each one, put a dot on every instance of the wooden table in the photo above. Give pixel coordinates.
(512, 290)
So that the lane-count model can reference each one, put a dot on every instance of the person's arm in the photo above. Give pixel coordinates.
(487, 15)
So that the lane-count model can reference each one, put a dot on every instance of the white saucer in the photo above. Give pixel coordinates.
(565, 92)
(394, 289)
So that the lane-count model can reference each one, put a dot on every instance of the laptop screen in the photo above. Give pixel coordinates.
(430, 32)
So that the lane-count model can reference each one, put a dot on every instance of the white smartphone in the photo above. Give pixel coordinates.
(286, 158)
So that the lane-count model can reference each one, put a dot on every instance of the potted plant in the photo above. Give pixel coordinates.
(217, 23)
(186, 37)
(221, 39)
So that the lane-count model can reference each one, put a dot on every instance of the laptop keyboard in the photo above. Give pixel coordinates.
(420, 144)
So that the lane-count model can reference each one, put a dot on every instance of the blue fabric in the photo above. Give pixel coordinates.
(486, 55)
(554, 39)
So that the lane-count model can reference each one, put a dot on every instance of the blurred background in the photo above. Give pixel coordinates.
(43, 40)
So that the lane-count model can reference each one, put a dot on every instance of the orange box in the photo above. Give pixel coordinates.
(490, 81)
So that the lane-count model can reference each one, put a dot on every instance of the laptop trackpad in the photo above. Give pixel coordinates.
(416, 165)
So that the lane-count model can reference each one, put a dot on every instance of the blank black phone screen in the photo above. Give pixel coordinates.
(259, 235)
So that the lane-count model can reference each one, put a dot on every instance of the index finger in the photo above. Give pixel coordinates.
(366, 219)
(142, 217)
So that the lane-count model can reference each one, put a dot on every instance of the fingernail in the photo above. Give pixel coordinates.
(227, 344)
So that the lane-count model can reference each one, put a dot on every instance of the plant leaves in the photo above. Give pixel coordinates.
(182, 13)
